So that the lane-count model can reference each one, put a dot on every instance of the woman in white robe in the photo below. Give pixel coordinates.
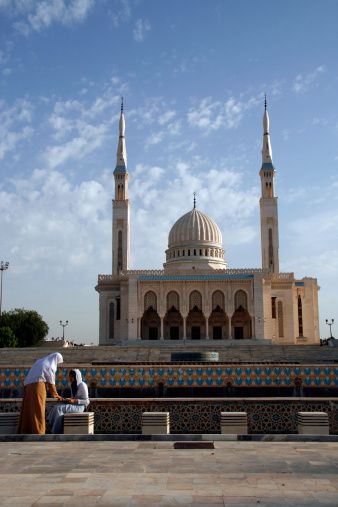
(33, 409)
(77, 403)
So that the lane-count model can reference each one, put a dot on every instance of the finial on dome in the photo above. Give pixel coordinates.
(121, 105)
(194, 200)
(265, 103)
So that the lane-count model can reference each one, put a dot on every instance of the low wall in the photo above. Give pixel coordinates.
(189, 415)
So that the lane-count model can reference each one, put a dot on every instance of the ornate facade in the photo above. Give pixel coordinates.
(195, 296)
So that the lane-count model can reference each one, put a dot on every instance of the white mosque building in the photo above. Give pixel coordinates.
(195, 296)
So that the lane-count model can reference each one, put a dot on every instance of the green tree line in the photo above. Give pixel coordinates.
(22, 328)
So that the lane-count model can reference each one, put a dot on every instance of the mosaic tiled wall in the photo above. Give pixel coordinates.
(138, 376)
(201, 416)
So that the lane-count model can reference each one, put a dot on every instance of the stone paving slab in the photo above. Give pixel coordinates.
(122, 474)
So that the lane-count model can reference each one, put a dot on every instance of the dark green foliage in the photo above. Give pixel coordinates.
(7, 337)
(27, 325)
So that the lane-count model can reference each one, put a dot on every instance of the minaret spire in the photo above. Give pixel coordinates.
(121, 159)
(194, 200)
(121, 214)
(266, 150)
(268, 203)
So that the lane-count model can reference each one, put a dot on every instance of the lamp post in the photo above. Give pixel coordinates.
(3, 266)
(63, 324)
(330, 325)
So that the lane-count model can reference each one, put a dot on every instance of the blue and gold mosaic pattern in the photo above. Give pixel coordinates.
(141, 376)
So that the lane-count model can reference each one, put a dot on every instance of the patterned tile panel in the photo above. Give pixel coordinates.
(139, 376)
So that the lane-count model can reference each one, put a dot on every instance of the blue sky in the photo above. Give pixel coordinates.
(193, 75)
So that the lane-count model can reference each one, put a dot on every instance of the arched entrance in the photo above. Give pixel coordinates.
(218, 320)
(241, 319)
(173, 321)
(218, 324)
(195, 319)
(150, 322)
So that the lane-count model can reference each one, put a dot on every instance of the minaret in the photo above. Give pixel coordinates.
(121, 214)
(268, 203)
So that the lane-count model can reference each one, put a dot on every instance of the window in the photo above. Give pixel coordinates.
(118, 309)
(217, 300)
(241, 299)
(111, 320)
(119, 251)
(300, 316)
(273, 308)
(195, 300)
(173, 300)
(280, 319)
(150, 300)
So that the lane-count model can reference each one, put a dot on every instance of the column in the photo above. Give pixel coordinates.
(184, 327)
(229, 328)
(207, 327)
(162, 334)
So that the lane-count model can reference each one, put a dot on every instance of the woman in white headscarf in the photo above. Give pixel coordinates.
(42, 374)
(77, 403)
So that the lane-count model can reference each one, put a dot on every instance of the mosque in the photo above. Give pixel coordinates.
(195, 296)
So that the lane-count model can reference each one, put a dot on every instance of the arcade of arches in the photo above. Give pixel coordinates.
(195, 326)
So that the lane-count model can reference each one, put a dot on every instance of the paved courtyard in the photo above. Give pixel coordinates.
(155, 474)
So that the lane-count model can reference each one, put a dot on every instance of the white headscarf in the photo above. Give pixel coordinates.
(78, 376)
(43, 370)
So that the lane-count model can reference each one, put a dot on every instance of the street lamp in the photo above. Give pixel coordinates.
(63, 328)
(3, 266)
(330, 325)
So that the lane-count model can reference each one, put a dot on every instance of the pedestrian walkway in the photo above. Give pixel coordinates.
(125, 474)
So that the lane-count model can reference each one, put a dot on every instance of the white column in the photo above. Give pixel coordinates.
(229, 329)
(184, 327)
(207, 327)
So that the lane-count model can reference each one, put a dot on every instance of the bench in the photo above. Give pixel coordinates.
(155, 423)
(81, 423)
(9, 422)
(313, 423)
(234, 423)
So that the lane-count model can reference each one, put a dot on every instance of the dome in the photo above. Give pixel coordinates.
(195, 227)
(195, 242)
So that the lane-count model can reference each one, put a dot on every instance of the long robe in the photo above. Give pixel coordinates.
(32, 416)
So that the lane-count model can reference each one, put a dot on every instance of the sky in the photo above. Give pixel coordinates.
(193, 74)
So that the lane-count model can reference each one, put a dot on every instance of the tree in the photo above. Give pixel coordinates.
(27, 325)
(7, 337)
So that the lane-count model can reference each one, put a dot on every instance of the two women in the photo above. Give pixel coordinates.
(42, 374)
(77, 403)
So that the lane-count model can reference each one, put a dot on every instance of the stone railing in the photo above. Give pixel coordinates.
(200, 415)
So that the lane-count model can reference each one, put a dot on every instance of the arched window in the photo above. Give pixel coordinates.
(300, 316)
(150, 301)
(218, 300)
(195, 300)
(271, 266)
(173, 300)
(280, 319)
(111, 320)
(119, 251)
(241, 299)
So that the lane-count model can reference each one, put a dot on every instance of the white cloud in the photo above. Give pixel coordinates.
(166, 117)
(142, 26)
(212, 114)
(49, 223)
(121, 13)
(81, 126)
(303, 82)
(15, 125)
(40, 15)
